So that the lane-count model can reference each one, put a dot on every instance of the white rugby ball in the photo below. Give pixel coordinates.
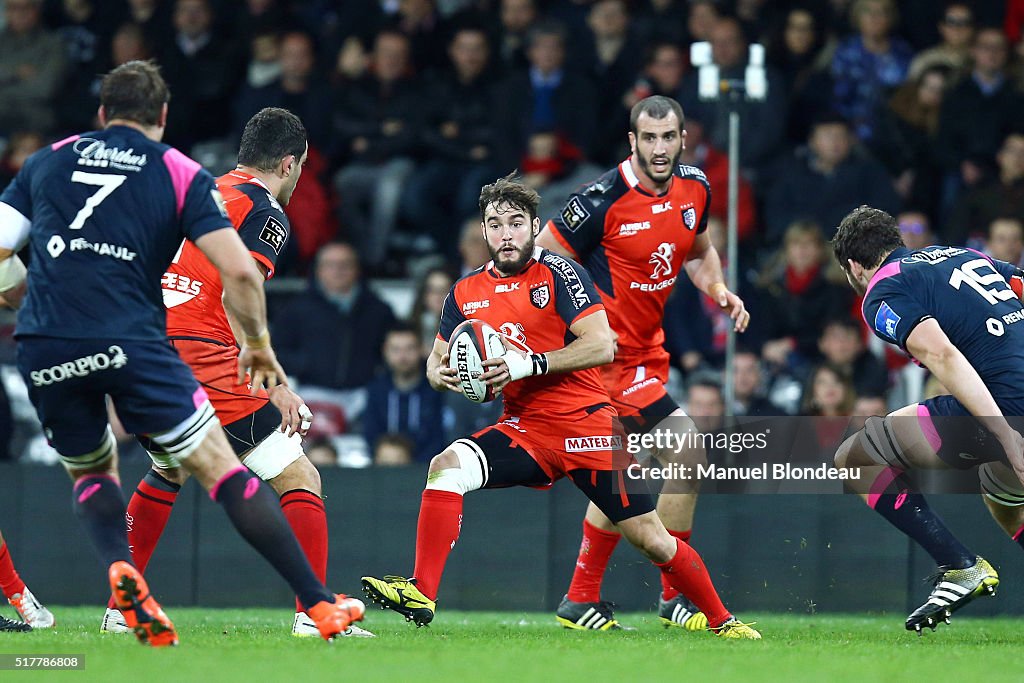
(471, 343)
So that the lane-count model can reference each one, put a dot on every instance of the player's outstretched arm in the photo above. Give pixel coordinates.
(439, 375)
(704, 266)
(245, 301)
(930, 345)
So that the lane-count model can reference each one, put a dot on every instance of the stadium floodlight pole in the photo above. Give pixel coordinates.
(711, 87)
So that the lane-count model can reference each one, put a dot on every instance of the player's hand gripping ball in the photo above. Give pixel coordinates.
(473, 342)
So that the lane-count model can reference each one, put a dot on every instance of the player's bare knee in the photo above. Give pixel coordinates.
(175, 475)
(443, 461)
(460, 468)
(301, 474)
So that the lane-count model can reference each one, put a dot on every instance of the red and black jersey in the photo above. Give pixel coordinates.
(535, 308)
(634, 244)
(191, 286)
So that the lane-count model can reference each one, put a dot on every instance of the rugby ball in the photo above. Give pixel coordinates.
(471, 343)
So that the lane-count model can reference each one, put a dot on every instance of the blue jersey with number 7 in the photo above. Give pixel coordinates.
(108, 210)
(968, 294)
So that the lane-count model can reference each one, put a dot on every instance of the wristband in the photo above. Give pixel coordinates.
(540, 363)
(518, 366)
(260, 341)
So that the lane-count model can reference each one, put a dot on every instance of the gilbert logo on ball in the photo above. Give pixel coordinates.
(470, 344)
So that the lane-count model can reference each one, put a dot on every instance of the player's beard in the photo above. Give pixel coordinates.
(509, 268)
(647, 167)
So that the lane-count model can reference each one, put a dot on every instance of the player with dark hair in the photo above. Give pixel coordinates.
(32, 613)
(104, 213)
(634, 229)
(557, 420)
(265, 430)
(958, 313)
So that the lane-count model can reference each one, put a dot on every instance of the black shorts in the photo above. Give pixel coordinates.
(508, 464)
(649, 416)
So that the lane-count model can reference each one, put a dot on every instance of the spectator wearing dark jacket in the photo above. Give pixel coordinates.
(824, 181)
(295, 90)
(1003, 196)
(842, 344)
(977, 114)
(32, 63)
(458, 138)
(401, 401)
(331, 336)
(546, 97)
(376, 129)
(797, 299)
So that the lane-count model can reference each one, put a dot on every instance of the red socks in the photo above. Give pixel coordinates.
(10, 582)
(686, 573)
(436, 533)
(307, 517)
(595, 551)
(667, 591)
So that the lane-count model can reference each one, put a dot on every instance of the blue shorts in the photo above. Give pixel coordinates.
(152, 389)
(957, 437)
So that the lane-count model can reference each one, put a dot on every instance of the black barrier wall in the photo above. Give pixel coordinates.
(795, 553)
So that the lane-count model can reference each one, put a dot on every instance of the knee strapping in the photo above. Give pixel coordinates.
(997, 490)
(879, 442)
(470, 475)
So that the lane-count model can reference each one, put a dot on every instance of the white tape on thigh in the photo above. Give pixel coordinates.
(272, 455)
(470, 475)
(181, 441)
(997, 490)
(94, 458)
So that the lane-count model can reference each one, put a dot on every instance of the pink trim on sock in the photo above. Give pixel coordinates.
(900, 500)
(199, 397)
(881, 483)
(251, 487)
(87, 493)
(83, 495)
(215, 489)
(924, 418)
(1017, 535)
(60, 143)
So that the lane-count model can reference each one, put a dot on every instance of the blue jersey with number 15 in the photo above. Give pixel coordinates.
(967, 293)
(108, 211)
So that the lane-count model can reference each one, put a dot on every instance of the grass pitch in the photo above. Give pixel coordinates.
(255, 646)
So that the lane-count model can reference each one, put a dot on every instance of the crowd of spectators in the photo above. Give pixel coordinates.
(913, 106)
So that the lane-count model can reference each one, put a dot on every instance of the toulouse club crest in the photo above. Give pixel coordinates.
(690, 218)
(540, 295)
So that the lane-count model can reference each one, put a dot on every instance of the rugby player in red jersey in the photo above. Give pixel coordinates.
(264, 428)
(558, 421)
(634, 229)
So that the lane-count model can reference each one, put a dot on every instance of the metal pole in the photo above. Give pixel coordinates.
(732, 249)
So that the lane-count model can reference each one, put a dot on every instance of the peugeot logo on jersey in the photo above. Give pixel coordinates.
(662, 260)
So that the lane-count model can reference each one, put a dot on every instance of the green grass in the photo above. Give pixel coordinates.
(254, 646)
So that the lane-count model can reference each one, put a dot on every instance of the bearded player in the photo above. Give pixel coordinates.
(557, 420)
(634, 229)
(264, 429)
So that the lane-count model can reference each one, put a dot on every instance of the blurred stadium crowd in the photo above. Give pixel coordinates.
(913, 106)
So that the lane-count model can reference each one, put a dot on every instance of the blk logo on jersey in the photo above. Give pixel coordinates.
(540, 295)
(690, 218)
(662, 260)
(661, 208)
(886, 321)
(273, 234)
(502, 287)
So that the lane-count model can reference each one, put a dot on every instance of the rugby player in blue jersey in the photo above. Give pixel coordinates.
(958, 313)
(103, 214)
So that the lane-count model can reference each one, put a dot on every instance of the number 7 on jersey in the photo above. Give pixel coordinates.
(107, 184)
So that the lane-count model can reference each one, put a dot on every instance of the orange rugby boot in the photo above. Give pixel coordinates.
(333, 619)
(142, 613)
